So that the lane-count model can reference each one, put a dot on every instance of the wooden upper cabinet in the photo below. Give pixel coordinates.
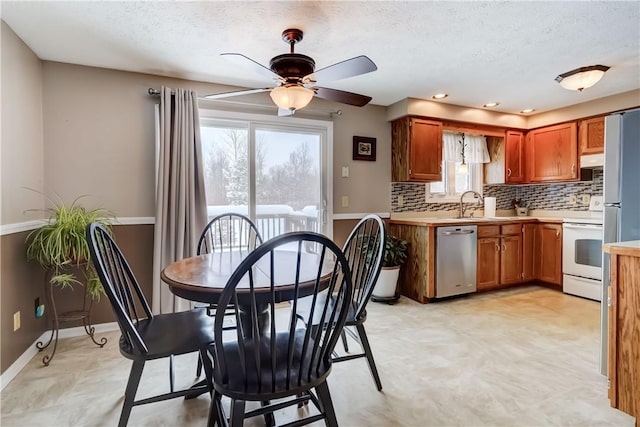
(514, 171)
(591, 135)
(553, 153)
(416, 153)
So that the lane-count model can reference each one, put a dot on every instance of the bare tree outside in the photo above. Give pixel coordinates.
(287, 174)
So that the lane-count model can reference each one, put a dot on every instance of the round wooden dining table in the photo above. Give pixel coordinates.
(202, 278)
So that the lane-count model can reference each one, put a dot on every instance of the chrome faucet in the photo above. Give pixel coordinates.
(475, 195)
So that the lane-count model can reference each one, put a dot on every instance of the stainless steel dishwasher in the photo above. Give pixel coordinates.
(456, 255)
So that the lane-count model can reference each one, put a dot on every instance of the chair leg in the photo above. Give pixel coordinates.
(237, 413)
(344, 340)
(130, 392)
(216, 414)
(367, 351)
(199, 368)
(327, 405)
(269, 418)
(204, 361)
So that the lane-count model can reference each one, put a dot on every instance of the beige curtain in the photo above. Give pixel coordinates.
(181, 211)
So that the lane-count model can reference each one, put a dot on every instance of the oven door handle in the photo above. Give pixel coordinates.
(583, 226)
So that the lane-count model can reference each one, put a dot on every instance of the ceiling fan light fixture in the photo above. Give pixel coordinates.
(292, 97)
(581, 78)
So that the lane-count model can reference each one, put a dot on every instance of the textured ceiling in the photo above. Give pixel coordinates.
(476, 52)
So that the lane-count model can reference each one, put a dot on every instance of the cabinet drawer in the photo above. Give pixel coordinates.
(488, 230)
(510, 229)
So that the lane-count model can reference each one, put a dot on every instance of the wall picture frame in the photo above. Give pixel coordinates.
(364, 148)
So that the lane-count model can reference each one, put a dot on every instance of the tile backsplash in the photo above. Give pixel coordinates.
(551, 197)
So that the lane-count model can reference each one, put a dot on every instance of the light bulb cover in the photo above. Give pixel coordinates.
(291, 97)
(463, 169)
(582, 78)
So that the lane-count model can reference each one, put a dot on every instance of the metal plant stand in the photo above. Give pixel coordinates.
(68, 316)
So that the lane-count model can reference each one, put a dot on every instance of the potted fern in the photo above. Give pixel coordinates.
(61, 243)
(395, 254)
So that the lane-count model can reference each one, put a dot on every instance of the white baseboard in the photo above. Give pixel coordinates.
(15, 368)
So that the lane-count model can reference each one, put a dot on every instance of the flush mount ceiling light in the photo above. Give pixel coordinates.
(491, 104)
(291, 97)
(581, 78)
(439, 96)
(527, 110)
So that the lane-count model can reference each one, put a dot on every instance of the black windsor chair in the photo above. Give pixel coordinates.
(227, 232)
(146, 336)
(364, 250)
(271, 355)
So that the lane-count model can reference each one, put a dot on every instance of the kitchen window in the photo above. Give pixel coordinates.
(463, 156)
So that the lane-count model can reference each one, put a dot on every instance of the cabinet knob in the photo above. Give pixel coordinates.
(508, 171)
(504, 247)
(573, 170)
(497, 247)
(557, 233)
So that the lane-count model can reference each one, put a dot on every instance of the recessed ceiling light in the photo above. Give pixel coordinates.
(527, 110)
(491, 104)
(439, 96)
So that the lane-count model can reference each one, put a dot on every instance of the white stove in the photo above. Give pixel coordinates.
(582, 253)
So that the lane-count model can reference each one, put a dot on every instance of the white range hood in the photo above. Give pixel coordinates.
(592, 161)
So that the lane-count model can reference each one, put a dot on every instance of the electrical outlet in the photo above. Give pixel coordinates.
(345, 201)
(16, 320)
(573, 199)
(585, 199)
(400, 201)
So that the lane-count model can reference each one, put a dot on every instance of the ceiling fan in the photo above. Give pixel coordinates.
(297, 77)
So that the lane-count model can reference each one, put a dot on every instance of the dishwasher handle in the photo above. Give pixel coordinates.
(456, 232)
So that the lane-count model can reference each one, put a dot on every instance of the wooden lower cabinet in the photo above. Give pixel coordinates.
(488, 268)
(548, 250)
(624, 328)
(417, 279)
(499, 256)
(508, 254)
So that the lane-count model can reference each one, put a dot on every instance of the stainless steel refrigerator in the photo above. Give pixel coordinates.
(621, 197)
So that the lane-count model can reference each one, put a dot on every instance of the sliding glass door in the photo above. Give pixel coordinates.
(278, 175)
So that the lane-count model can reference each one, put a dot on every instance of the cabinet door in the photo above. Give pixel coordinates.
(592, 135)
(511, 260)
(549, 253)
(488, 270)
(425, 150)
(553, 153)
(528, 251)
(514, 157)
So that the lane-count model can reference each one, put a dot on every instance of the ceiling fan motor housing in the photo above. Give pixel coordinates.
(292, 66)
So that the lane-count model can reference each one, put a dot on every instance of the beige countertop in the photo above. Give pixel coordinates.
(437, 221)
(630, 248)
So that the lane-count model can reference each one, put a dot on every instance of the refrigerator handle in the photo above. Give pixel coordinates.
(612, 205)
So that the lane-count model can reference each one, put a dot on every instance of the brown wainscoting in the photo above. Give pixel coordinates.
(22, 282)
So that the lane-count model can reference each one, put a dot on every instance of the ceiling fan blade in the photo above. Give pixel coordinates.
(341, 96)
(341, 70)
(236, 93)
(245, 61)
